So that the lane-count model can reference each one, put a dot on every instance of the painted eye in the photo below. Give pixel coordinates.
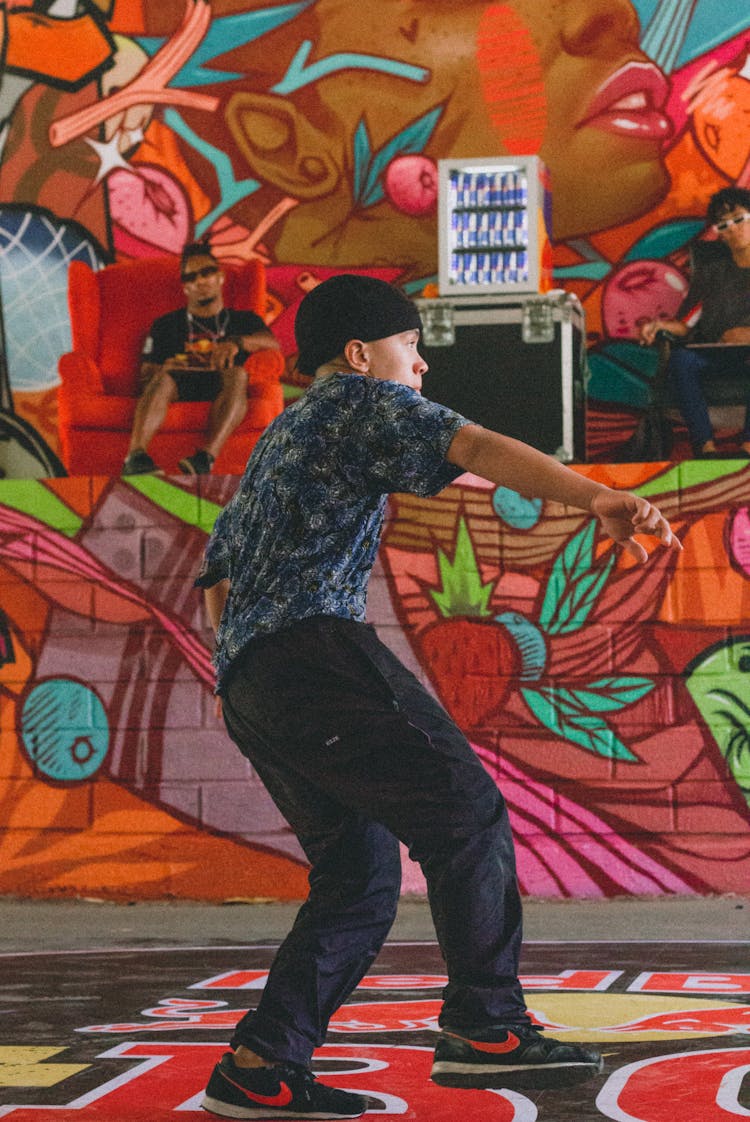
(743, 663)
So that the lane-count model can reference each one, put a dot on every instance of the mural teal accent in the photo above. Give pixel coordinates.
(531, 642)
(65, 730)
(515, 510)
(702, 25)
(231, 190)
(225, 34)
(299, 74)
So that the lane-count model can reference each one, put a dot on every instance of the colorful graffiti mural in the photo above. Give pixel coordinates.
(307, 133)
(609, 701)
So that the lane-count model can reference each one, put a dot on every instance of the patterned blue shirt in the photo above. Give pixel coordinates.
(300, 535)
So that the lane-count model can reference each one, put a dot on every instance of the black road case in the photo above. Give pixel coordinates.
(515, 364)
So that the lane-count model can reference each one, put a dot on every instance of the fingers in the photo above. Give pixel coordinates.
(648, 332)
(224, 355)
(650, 520)
(623, 514)
(635, 549)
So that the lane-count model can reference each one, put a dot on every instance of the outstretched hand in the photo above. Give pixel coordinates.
(623, 514)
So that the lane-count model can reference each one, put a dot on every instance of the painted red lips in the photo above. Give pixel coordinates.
(630, 103)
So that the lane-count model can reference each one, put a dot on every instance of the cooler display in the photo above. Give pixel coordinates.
(494, 219)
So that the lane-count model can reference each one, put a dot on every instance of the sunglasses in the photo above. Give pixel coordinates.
(727, 223)
(206, 271)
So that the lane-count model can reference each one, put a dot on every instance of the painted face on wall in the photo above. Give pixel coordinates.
(357, 88)
(605, 125)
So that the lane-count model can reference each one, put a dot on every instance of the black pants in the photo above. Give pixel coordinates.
(357, 754)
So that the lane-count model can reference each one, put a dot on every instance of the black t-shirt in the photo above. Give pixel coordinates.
(171, 334)
(721, 287)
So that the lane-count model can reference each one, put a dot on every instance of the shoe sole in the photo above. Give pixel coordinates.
(229, 1110)
(520, 1077)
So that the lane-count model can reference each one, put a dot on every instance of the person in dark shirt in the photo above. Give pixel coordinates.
(353, 749)
(196, 353)
(716, 309)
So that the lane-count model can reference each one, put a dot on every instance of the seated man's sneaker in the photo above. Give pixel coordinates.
(513, 1056)
(281, 1091)
(138, 463)
(200, 463)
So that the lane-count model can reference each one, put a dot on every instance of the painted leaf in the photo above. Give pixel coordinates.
(666, 239)
(622, 373)
(565, 565)
(559, 712)
(574, 608)
(587, 270)
(362, 157)
(614, 693)
(367, 186)
(574, 585)
(462, 592)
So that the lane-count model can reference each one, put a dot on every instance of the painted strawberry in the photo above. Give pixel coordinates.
(472, 664)
(475, 662)
(473, 659)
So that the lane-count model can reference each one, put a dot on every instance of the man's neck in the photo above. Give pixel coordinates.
(742, 257)
(205, 311)
(335, 367)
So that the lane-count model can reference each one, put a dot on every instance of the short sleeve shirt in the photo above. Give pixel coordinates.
(170, 333)
(300, 535)
(721, 287)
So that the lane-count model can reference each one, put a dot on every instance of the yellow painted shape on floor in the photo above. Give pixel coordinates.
(25, 1067)
(627, 1017)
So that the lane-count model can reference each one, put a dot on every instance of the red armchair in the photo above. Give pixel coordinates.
(111, 312)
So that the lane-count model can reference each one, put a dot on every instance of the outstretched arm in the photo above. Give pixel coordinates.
(511, 463)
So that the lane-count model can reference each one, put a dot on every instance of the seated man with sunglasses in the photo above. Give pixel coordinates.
(196, 353)
(716, 310)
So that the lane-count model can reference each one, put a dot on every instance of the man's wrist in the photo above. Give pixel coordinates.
(600, 489)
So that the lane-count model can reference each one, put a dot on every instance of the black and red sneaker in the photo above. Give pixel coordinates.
(511, 1056)
(281, 1091)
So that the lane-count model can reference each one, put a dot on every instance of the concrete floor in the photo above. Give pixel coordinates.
(34, 926)
(109, 1014)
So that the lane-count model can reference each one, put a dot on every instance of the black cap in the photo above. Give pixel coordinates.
(349, 307)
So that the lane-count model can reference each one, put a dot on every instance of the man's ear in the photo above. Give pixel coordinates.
(357, 356)
(282, 146)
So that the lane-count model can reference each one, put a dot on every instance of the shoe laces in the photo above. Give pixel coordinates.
(299, 1075)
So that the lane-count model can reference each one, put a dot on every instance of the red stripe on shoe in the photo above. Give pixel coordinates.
(508, 1045)
(282, 1098)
